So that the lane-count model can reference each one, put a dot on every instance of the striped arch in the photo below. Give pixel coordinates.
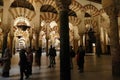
(101, 11)
(49, 16)
(91, 22)
(75, 6)
(74, 20)
(92, 10)
(48, 2)
(22, 12)
(51, 29)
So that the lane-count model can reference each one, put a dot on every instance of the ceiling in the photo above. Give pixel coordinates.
(96, 1)
(44, 8)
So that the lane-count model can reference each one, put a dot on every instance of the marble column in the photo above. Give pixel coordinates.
(5, 24)
(114, 39)
(75, 45)
(36, 22)
(81, 40)
(63, 6)
(30, 40)
(36, 40)
(98, 39)
(4, 45)
(11, 43)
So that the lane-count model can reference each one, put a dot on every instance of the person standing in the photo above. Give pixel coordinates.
(38, 56)
(51, 57)
(72, 55)
(6, 62)
(54, 55)
(80, 58)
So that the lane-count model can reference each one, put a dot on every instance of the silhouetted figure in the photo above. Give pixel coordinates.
(54, 55)
(23, 64)
(29, 60)
(80, 58)
(51, 57)
(38, 56)
(72, 55)
(6, 62)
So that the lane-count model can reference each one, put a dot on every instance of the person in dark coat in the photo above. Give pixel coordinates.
(38, 56)
(80, 58)
(51, 57)
(29, 60)
(72, 55)
(54, 55)
(23, 64)
(6, 62)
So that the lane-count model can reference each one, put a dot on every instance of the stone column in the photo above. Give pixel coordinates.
(81, 40)
(47, 26)
(75, 45)
(30, 40)
(98, 40)
(36, 22)
(36, 40)
(5, 24)
(11, 43)
(4, 45)
(65, 73)
(114, 39)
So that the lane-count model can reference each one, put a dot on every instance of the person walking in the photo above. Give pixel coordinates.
(80, 58)
(38, 56)
(23, 64)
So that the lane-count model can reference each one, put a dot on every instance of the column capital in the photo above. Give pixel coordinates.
(5, 29)
(63, 4)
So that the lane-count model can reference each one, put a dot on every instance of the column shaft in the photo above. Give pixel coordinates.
(64, 46)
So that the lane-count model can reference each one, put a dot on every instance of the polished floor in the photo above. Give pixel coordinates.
(95, 69)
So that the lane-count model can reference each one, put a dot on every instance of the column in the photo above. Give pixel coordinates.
(47, 35)
(75, 45)
(114, 39)
(36, 22)
(4, 45)
(11, 43)
(5, 23)
(36, 40)
(98, 40)
(30, 40)
(65, 73)
(81, 39)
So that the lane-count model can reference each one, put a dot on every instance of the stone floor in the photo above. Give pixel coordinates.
(95, 69)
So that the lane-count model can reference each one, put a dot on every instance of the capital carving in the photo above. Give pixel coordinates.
(63, 4)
